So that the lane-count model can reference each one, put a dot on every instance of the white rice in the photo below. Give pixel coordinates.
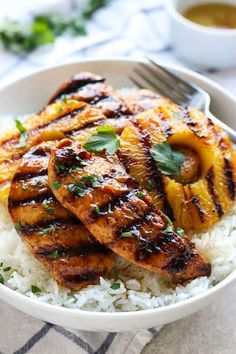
(139, 288)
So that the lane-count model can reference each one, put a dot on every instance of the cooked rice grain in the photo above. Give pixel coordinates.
(139, 289)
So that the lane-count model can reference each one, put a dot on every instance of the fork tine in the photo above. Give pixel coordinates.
(158, 88)
(134, 81)
(189, 87)
(163, 80)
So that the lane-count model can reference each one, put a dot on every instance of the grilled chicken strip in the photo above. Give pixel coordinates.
(53, 235)
(94, 90)
(122, 217)
(56, 121)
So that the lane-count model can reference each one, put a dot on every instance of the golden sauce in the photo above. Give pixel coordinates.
(212, 15)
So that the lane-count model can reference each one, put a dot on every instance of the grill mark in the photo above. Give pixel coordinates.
(61, 118)
(134, 225)
(81, 250)
(71, 133)
(197, 204)
(23, 176)
(88, 275)
(151, 169)
(211, 188)
(190, 123)
(38, 152)
(229, 178)
(167, 130)
(15, 139)
(29, 229)
(74, 85)
(178, 262)
(149, 246)
(39, 199)
(109, 207)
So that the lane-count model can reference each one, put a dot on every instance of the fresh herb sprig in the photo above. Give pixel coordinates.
(169, 161)
(22, 37)
(105, 139)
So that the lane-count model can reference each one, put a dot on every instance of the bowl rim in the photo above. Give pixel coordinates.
(224, 32)
(229, 279)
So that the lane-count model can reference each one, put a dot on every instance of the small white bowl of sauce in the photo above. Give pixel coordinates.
(203, 32)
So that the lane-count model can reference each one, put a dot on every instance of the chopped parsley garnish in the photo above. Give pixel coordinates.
(64, 99)
(168, 220)
(6, 269)
(24, 185)
(23, 133)
(109, 210)
(180, 231)
(18, 225)
(1, 264)
(49, 209)
(75, 168)
(150, 186)
(97, 211)
(169, 161)
(140, 195)
(86, 181)
(126, 234)
(105, 139)
(56, 254)
(1, 279)
(177, 115)
(35, 289)
(56, 185)
(115, 286)
(168, 229)
(47, 230)
(60, 167)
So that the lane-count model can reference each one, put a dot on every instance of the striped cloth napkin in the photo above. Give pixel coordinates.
(146, 32)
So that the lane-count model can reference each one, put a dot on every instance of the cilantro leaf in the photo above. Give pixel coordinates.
(105, 139)
(169, 161)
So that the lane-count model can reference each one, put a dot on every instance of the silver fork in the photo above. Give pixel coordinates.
(180, 91)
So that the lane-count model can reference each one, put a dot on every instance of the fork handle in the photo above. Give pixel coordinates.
(231, 132)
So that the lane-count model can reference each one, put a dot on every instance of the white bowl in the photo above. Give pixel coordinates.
(29, 94)
(204, 46)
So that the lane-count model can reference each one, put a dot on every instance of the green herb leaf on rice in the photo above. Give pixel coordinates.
(169, 161)
(1, 279)
(35, 289)
(115, 286)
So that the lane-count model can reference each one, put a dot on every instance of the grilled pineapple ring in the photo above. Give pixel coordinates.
(205, 189)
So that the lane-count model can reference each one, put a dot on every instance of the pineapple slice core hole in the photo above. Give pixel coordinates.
(191, 168)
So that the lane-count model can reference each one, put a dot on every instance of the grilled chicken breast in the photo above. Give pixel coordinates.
(53, 235)
(205, 188)
(95, 90)
(122, 217)
(57, 121)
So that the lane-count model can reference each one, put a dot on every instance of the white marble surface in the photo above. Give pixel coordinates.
(210, 331)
